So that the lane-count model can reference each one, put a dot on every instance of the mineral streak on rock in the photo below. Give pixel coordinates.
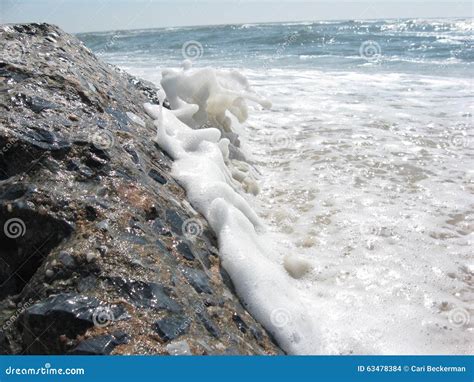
(93, 257)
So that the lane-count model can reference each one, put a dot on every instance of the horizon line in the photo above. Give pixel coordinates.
(260, 23)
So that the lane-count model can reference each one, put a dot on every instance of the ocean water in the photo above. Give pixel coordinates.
(365, 163)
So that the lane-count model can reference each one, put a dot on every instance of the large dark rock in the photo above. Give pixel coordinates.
(171, 327)
(90, 217)
(27, 238)
(146, 295)
(43, 324)
(101, 345)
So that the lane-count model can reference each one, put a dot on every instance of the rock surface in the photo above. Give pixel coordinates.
(95, 254)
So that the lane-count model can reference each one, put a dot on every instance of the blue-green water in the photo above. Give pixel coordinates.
(438, 46)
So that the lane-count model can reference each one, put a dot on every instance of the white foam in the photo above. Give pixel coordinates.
(368, 239)
(214, 92)
(202, 167)
(377, 198)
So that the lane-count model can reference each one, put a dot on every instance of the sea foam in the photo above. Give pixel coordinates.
(215, 186)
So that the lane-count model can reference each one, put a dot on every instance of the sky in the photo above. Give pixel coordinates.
(102, 15)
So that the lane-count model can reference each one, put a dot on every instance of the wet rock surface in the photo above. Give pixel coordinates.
(63, 314)
(171, 327)
(94, 254)
(101, 345)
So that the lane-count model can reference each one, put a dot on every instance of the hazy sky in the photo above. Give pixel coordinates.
(98, 15)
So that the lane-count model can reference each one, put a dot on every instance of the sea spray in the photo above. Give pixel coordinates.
(202, 166)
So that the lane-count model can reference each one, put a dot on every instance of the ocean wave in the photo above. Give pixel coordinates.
(353, 150)
(286, 44)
